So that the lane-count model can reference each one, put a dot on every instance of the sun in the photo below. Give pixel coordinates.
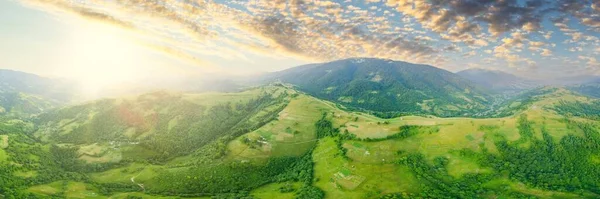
(100, 55)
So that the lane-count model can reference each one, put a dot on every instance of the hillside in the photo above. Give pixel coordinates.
(161, 125)
(53, 89)
(590, 89)
(387, 88)
(293, 145)
(497, 80)
(15, 104)
(23, 94)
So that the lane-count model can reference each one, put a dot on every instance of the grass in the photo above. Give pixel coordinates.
(456, 135)
(458, 166)
(210, 99)
(272, 191)
(81, 190)
(3, 141)
(142, 195)
(48, 189)
(70, 189)
(141, 172)
(3, 155)
(26, 174)
(504, 183)
(298, 117)
(371, 169)
(97, 153)
(340, 178)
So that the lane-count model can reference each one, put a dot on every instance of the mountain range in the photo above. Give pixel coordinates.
(497, 80)
(387, 87)
(353, 128)
(25, 94)
(382, 87)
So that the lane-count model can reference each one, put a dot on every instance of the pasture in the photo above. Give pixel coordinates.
(341, 178)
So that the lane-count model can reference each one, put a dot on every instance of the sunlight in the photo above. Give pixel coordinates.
(101, 55)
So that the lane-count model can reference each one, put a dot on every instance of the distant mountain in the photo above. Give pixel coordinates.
(571, 80)
(16, 81)
(191, 84)
(497, 80)
(23, 94)
(591, 89)
(386, 87)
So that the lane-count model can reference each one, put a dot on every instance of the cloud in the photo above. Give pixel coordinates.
(464, 17)
(546, 53)
(579, 9)
(469, 54)
(591, 62)
(81, 11)
(422, 31)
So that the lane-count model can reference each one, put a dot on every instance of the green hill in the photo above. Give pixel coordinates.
(16, 104)
(23, 94)
(275, 142)
(589, 89)
(387, 88)
(160, 125)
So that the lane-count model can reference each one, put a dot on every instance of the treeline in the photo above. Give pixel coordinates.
(567, 165)
(561, 166)
(211, 176)
(225, 122)
(404, 132)
(519, 103)
(26, 154)
(176, 126)
(238, 178)
(589, 110)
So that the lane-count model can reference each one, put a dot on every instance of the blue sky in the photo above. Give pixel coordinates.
(90, 39)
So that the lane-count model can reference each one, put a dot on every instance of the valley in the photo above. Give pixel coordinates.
(291, 145)
(382, 129)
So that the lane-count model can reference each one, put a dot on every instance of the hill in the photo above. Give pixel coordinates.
(274, 142)
(497, 80)
(591, 89)
(387, 88)
(21, 82)
(24, 94)
(161, 125)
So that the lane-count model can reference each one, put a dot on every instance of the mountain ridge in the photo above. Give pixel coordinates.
(386, 86)
(497, 80)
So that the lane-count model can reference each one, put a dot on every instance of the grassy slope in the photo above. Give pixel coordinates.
(292, 134)
(370, 170)
(107, 151)
(140, 118)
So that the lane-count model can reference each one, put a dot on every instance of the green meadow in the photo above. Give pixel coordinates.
(303, 147)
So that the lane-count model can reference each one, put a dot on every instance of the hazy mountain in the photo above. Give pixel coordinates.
(24, 93)
(191, 84)
(497, 80)
(55, 89)
(591, 89)
(386, 86)
(571, 80)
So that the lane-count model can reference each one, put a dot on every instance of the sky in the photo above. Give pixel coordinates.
(107, 40)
